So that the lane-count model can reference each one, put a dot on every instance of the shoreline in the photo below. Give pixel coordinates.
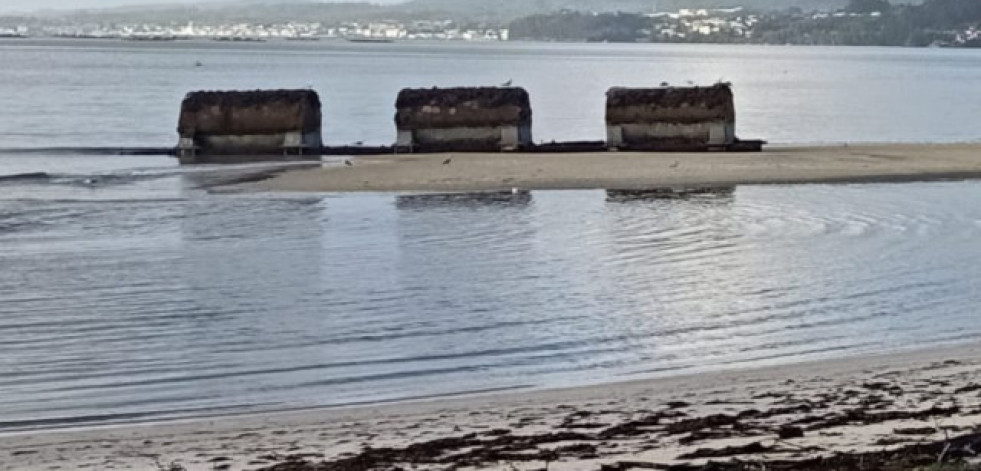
(473, 172)
(936, 387)
(506, 393)
(863, 403)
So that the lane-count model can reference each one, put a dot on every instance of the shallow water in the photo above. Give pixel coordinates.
(128, 291)
(153, 298)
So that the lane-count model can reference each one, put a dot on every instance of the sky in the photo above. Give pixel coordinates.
(8, 6)
(33, 5)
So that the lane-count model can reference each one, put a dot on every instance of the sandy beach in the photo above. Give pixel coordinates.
(778, 415)
(616, 170)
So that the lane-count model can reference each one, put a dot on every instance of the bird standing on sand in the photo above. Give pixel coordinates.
(348, 163)
(675, 164)
(447, 161)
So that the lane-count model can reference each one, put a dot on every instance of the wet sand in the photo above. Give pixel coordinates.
(786, 413)
(626, 170)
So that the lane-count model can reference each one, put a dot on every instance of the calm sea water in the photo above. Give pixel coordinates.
(114, 93)
(128, 291)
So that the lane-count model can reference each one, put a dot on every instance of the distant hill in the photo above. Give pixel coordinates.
(617, 5)
(870, 23)
(497, 11)
(942, 14)
(510, 9)
(252, 12)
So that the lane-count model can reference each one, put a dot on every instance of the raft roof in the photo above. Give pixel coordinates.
(195, 101)
(462, 107)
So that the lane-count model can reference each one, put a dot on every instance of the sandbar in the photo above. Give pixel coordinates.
(632, 170)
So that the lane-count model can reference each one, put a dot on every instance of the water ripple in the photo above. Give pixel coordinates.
(153, 307)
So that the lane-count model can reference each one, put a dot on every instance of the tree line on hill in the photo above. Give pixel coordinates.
(860, 22)
(850, 22)
(507, 10)
(498, 12)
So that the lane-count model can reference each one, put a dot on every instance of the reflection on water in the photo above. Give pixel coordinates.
(213, 176)
(463, 199)
(654, 194)
(155, 299)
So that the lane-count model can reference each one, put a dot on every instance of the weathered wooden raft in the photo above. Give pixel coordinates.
(481, 119)
(671, 118)
(260, 122)
(283, 125)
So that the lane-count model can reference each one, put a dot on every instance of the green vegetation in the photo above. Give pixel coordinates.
(868, 6)
(507, 10)
(861, 22)
(934, 22)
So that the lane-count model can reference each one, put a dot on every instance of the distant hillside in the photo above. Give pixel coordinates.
(510, 9)
(867, 23)
(943, 14)
(498, 11)
(253, 12)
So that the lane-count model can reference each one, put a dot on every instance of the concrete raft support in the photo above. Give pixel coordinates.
(236, 123)
(671, 118)
(486, 119)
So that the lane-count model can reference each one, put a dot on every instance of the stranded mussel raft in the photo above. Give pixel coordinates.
(236, 126)
(238, 123)
(488, 119)
(673, 119)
